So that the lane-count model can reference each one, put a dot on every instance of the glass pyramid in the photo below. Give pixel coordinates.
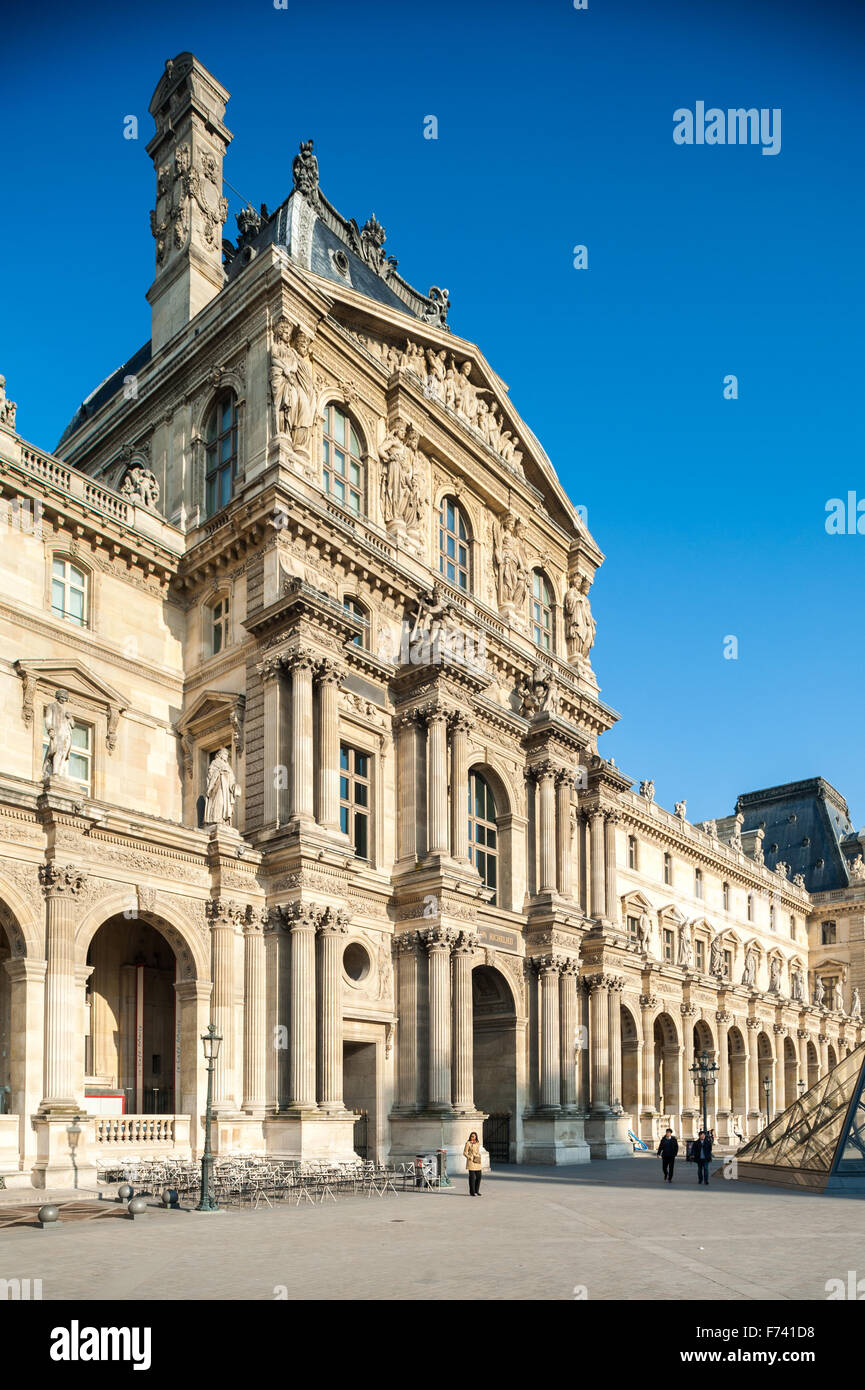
(819, 1141)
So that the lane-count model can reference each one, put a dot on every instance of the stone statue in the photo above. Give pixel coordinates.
(837, 997)
(711, 828)
(140, 486)
(749, 974)
(775, 976)
(644, 932)
(647, 789)
(857, 869)
(819, 992)
(855, 1004)
(686, 950)
(580, 626)
(392, 452)
(680, 809)
(7, 407)
(509, 561)
(799, 880)
(539, 695)
(431, 616)
(222, 791)
(716, 956)
(292, 386)
(782, 869)
(797, 986)
(385, 968)
(59, 725)
(736, 833)
(304, 171)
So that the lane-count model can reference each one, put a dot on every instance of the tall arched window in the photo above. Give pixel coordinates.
(68, 591)
(453, 544)
(542, 611)
(483, 832)
(219, 622)
(341, 460)
(220, 440)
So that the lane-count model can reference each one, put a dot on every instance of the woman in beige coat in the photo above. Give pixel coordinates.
(472, 1155)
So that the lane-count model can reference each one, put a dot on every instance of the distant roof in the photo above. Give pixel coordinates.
(104, 391)
(807, 827)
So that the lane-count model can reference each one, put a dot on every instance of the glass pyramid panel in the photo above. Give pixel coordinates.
(807, 1136)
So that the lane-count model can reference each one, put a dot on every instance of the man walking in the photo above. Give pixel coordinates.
(702, 1155)
(668, 1148)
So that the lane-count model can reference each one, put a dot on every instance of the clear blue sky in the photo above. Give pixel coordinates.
(555, 128)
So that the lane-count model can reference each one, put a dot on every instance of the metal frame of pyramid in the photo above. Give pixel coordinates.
(818, 1142)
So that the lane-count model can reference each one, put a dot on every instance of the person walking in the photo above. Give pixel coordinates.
(472, 1155)
(668, 1148)
(702, 1155)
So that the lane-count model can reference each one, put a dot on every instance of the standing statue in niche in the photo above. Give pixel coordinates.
(222, 791)
(580, 626)
(59, 725)
(775, 976)
(819, 993)
(837, 997)
(509, 559)
(292, 386)
(797, 986)
(716, 957)
(644, 932)
(855, 1004)
(686, 950)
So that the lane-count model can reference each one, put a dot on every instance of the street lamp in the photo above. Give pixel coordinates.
(801, 1087)
(74, 1133)
(704, 1072)
(767, 1087)
(210, 1041)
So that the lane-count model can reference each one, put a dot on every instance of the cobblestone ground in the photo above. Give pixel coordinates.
(611, 1229)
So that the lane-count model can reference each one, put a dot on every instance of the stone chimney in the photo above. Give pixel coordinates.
(187, 152)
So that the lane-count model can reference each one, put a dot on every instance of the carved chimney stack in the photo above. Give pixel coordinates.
(187, 150)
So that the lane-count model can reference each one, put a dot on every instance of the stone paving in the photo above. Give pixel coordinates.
(612, 1228)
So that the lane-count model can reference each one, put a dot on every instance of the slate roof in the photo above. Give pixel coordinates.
(807, 826)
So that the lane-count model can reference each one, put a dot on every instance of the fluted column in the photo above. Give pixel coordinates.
(648, 1003)
(568, 1033)
(332, 929)
(545, 775)
(254, 1016)
(599, 1042)
(550, 1094)
(564, 832)
(330, 674)
(778, 1078)
(596, 832)
(802, 1037)
(224, 918)
(301, 1059)
(438, 942)
(691, 1100)
(463, 1040)
(275, 804)
(754, 1100)
(823, 1040)
(437, 781)
(407, 807)
(723, 1088)
(611, 819)
(302, 742)
(614, 997)
(61, 887)
(407, 947)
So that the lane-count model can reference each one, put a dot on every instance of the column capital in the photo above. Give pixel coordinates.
(570, 966)
(222, 912)
(300, 916)
(602, 981)
(648, 1001)
(407, 719)
(432, 712)
(724, 1018)
(688, 1010)
(407, 943)
(298, 662)
(467, 944)
(333, 921)
(780, 1029)
(26, 968)
(564, 776)
(547, 964)
(270, 667)
(329, 671)
(542, 771)
(439, 938)
(460, 722)
(754, 1022)
(823, 1038)
(62, 881)
(611, 815)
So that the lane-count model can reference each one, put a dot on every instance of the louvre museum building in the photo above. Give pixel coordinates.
(300, 737)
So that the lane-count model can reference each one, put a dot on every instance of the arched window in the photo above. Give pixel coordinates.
(341, 460)
(68, 591)
(483, 832)
(355, 609)
(219, 616)
(453, 545)
(220, 440)
(542, 611)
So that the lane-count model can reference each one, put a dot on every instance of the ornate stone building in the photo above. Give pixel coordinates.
(300, 736)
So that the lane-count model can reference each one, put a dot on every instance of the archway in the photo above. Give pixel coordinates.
(791, 1073)
(813, 1066)
(704, 1041)
(765, 1101)
(667, 1054)
(630, 1066)
(833, 1057)
(494, 1037)
(6, 1106)
(131, 1036)
(737, 1072)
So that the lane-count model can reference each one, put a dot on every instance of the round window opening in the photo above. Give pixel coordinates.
(355, 961)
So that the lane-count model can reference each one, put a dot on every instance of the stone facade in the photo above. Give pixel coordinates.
(306, 527)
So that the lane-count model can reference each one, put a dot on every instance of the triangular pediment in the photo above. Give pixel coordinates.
(210, 709)
(72, 676)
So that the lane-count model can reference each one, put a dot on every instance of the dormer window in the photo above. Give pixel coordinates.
(342, 460)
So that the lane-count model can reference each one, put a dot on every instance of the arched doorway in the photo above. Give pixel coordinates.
(5, 1021)
(494, 1037)
(813, 1066)
(833, 1057)
(737, 1074)
(791, 1073)
(765, 1101)
(131, 1034)
(630, 1066)
(667, 1055)
(704, 1041)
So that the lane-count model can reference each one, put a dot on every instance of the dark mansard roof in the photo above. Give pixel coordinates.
(809, 822)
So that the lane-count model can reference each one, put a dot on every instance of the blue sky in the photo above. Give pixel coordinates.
(555, 129)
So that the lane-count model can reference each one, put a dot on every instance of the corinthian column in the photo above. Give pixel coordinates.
(329, 676)
(691, 1099)
(223, 917)
(437, 782)
(802, 1035)
(438, 942)
(61, 887)
(332, 930)
(596, 831)
(463, 1060)
(407, 808)
(254, 1016)
(302, 741)
(614, 997)
(460, 725)
(599, 1042)
(647, 1018)
(545, 774)
(407, 947)
(568, 1033)
(564, 833)
(301, 1061)
(611, 819)
(753, 1102)
(275, 792)
(548, 968)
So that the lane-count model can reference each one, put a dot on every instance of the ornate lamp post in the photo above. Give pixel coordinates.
(800, 1084)
(210, 1040)
(767, 1087)
(704, 1071)
(74, 1133)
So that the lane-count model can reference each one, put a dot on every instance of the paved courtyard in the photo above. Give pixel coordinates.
(613, 1229)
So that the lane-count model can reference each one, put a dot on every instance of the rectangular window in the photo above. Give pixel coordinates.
(668, 868)
(668, 945)
(80, 766)
(355, 770)
(728, 964)
(793, 927)
(698, 883)
(700, 955)
(726, 897)
(827, 933)
(632, 852)
(633, 928)
(68, 592)
(750, 907)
